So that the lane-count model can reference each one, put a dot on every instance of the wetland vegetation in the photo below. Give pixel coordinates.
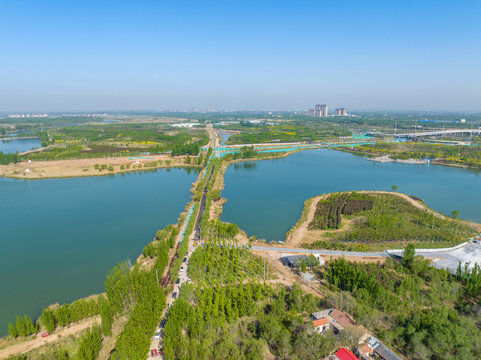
(469, 156)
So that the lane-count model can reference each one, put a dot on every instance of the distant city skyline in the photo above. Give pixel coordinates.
(59, 56)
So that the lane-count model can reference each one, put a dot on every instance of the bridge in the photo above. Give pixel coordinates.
(438, 133)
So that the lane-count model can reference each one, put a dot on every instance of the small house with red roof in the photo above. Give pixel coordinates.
(321, 325)
(345, 354)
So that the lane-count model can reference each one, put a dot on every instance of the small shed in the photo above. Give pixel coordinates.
(293, 261)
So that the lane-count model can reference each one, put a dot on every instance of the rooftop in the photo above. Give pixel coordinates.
(382, 350)
(293, 260)
(320, 322)
(341, 318)
(365, 349)
(345, 354)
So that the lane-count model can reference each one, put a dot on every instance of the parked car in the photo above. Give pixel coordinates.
(157, 335)
(182, 269)
(154, 352)
(45, 334)
(174, 295)
(185, 259)
(177, 281)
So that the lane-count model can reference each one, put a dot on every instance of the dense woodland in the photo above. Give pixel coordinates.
(424, 312)
(223, 261)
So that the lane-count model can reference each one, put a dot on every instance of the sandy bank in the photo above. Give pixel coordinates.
(87, 167)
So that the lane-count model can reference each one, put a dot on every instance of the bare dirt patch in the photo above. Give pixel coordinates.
(285, 275)
(86, 167)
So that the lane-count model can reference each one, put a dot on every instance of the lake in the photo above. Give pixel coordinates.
(265, 198)
(19, 145)
(60, 237)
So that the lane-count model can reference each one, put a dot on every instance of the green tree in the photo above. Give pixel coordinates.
(21, 328)
(11, 330)
(62, 314)
(106, 315)
(90, 344)
(29, 325)
(394, 187)
(303, 265)
(408, 258)
(48, 319)
(455, 214)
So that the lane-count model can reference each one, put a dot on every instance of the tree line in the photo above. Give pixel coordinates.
(8, 158)
(58, 316)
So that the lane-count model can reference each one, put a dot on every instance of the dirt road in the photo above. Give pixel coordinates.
(29, 345)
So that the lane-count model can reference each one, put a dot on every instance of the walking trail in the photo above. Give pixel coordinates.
(30, 345)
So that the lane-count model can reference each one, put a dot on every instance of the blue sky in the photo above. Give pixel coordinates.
(248, 55)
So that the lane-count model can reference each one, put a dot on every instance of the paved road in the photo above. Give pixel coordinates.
(469, 254)
(156, 344)
(320, 252)
(448, 259)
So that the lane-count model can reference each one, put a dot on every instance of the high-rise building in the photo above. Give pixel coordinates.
(340, 112)
(320, 110)
(323, 110)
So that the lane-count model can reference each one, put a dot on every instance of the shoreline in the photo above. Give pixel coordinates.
(62, 169)
(372, 156)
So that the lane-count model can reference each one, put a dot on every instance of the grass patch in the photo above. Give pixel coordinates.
(380, 221)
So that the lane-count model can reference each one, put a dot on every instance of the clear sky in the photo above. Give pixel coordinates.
(249, 55)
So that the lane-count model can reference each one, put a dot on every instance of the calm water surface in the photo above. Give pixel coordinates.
(266, 197)
(224, 137)
(59, 237)
(19, 145)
